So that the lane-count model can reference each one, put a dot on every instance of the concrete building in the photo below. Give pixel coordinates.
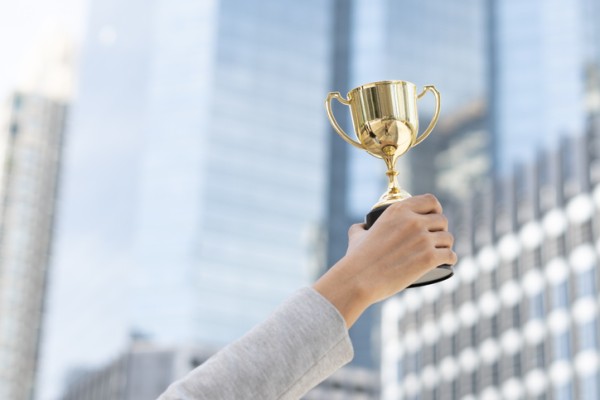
(146, 370)
(348, 383)
(32, 126)
(521, 317)
(141, 373)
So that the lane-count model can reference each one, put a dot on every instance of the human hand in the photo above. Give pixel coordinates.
(409, 239)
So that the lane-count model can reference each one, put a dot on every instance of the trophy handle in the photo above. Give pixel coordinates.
(436, 114)
(336, 126)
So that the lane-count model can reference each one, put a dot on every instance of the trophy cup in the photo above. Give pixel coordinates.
(386, 123)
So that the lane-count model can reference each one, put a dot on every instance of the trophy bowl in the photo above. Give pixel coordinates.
(386, 124)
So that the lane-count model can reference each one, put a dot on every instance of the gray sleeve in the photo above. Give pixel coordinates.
(298, 346)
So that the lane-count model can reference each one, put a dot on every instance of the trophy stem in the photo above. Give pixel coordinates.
(394, 193)
(393, 187)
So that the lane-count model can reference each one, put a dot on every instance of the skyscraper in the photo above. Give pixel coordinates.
(32, 124)
(195, 180)
(232, 176)
(541, 55)
(424, 42)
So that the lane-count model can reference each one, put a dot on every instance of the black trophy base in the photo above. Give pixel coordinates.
(439, 274)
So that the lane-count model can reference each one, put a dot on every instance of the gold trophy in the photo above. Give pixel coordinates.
(386, 123)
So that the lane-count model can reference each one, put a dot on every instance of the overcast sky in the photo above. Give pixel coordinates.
(23, 22)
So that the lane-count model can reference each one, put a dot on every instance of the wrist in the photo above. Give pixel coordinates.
(345, 291)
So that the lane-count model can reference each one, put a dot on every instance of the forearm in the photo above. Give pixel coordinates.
(344, 290)
(303, 342)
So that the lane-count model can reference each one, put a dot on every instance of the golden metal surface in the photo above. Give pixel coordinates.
(386, 124)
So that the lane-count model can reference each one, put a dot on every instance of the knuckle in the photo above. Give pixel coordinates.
(429, 198)
(453, 257)
(396, 207)
(444, 220)
(451, 238)
(433, 200)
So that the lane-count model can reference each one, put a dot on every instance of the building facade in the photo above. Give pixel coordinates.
(144, 371)
(521, 317)
(541, 55)
(348, 383)
(232, 176)
(32, 125)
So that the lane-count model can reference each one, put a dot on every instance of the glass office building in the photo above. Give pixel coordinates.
(424, 42)
(542, 54)
(232, 176)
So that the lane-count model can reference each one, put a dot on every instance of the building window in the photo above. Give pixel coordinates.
(536, 306)
(588, 335)
(564, 392)
(400, 370)
(17, 102)
(413, 362)
(562, 346)
(586, 283)
(540, 356)
(589, 387)
(14, 128)
(496, 373)
(516, 315)
(560, 295)
(516, 362)
(495, 325)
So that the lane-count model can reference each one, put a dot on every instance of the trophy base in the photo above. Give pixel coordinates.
(441, 273)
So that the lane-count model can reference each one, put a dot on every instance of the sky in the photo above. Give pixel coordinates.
(23, 23)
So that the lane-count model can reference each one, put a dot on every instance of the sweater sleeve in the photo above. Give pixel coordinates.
(298, 346)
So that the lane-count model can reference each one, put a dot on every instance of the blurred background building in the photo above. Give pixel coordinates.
(202, 183)
(145, 370)
(32, 125)
(142, 372)
(520, 320)
(196, 169)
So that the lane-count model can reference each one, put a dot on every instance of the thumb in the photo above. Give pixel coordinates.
(354, 229)
(355, 232)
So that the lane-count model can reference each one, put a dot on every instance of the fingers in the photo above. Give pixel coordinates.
(436, 222)
(424, 204)
(435, 248)
(443, 240)
(446, 256)
(422, 212)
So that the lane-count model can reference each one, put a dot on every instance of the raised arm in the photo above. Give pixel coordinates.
(306, 338)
